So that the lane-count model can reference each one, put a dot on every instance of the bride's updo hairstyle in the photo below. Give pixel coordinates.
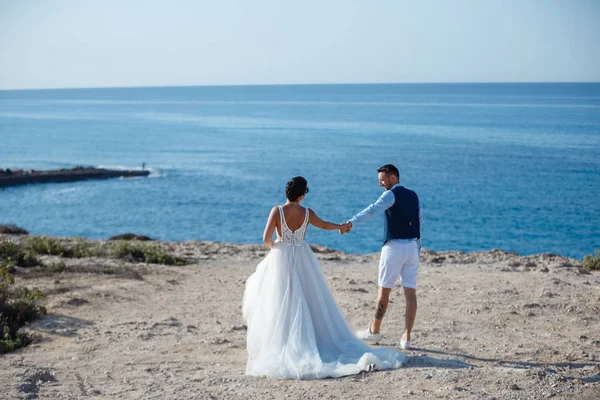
(295, 188)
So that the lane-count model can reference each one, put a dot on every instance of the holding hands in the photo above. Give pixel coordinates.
(345, 228)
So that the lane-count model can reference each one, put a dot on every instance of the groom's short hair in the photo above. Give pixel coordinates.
(390, 169)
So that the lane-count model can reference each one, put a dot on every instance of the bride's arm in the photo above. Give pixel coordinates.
(319, 223)
(270, 227)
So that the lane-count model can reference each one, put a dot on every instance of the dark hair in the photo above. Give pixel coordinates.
(390, 169)
(296, 187)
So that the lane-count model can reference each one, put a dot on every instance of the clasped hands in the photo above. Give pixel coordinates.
(346, 227)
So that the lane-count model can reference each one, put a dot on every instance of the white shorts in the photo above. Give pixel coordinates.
(399, 260)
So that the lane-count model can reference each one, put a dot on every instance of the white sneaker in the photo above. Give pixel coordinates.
(368, 336)
(404, 344)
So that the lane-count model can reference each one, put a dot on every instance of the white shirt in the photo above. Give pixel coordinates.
(385, 201)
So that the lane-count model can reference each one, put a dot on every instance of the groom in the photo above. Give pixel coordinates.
(400, 252)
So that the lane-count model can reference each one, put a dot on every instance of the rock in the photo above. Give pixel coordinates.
(20, 177)
(145, 336)
(130, 236)
(167, 322)
(219, 341)
(239, 327)
(28, 387)
(76, 302)
(583, 271)
(321, 249)
(12, 229)
(514, 386)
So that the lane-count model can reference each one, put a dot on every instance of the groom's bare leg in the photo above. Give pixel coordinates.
(411, 311)
(383, 299)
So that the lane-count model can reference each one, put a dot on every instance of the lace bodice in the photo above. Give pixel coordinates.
(295, 237)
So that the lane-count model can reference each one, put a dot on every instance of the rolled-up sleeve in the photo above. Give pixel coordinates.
(385, 201)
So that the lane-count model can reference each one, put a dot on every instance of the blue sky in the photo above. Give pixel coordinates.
(108, 43)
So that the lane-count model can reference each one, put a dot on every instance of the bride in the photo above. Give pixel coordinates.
(295, 328)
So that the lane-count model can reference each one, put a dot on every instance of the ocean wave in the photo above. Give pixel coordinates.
(59, 116)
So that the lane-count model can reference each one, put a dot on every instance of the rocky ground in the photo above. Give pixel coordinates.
(490, 325)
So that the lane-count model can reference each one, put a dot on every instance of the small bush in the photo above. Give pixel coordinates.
(132, 251)
(139, 252)
(54, 247)
(81, 250)
(591, 262)
(17, 308)
(6, 279)
(10, 251)
(46, 246)
(52, 267)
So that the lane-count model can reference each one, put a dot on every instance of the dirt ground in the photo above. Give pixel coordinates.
(490, 325)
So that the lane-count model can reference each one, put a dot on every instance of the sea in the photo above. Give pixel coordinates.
(512, 166)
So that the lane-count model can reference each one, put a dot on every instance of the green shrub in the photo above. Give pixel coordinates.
(139, 252)
(46, 246)
(132, 251)
(6, 278)
(158, 255)
(54, 247)
(17, 308)
(10, 251)
(591, 262)
(52, 267)
(80, 249)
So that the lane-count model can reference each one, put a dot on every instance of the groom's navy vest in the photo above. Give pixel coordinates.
(402, 219)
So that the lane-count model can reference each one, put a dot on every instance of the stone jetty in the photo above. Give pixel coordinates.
(24, 177)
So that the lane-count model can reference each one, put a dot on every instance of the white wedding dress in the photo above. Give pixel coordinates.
(295, 328)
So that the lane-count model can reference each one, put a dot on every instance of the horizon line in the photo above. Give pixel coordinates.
(300, 84)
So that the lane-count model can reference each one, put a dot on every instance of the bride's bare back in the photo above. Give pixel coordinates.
(294, 215)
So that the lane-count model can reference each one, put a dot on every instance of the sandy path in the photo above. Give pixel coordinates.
(489, 326)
